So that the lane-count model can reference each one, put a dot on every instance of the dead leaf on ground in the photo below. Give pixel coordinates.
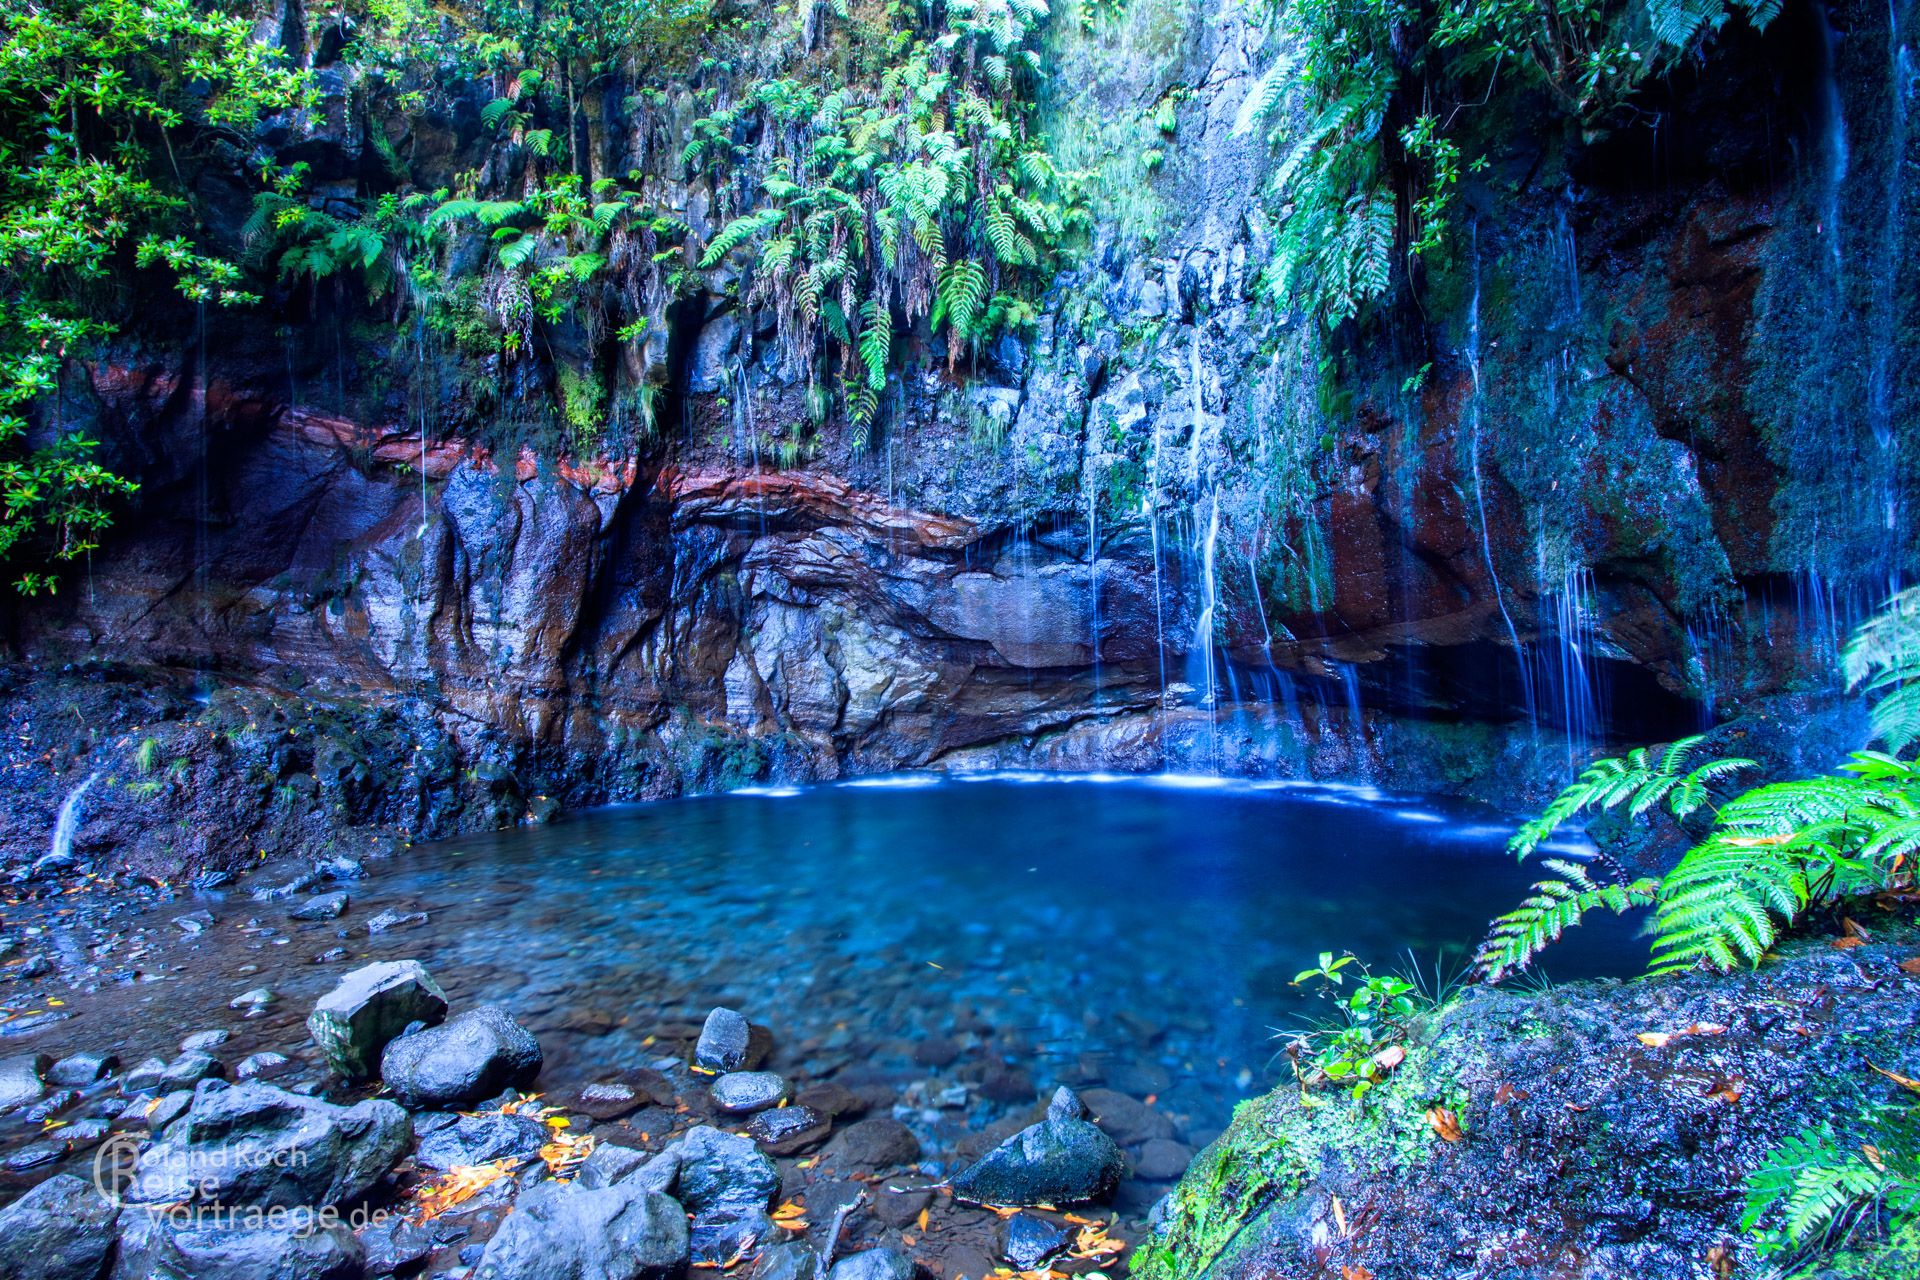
(1910, 966)
(1659, 1039)
(1726, 1088)
(1355, 1273)
(1446, 1124)
(1340, 1216)
(458, 1185)
(1903, 1081)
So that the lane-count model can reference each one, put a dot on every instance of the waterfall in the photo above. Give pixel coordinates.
(1093, 584)
(60, 852)
(1201, 661)
(1151, 509)
(1883, 333)
(1479, 488)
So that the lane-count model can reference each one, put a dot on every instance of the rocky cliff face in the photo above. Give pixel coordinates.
(1638, 471)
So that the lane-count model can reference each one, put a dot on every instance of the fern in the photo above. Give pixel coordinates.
(1640, 780)
(1883, 657)
(1555, 906)
(876, 341)
(1819, 1192)
(1772, 852)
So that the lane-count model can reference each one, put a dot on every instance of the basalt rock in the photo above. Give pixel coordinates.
(1061, 1160)
(254, 1144)
(60, 1230)
(567, 1232)
(469, 1058)
(372, 1006)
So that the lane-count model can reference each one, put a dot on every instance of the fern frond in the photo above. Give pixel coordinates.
(1555, 906)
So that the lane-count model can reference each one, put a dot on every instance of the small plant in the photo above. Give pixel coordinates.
(1842, 1206)
(146, 755)
(1362, 1042)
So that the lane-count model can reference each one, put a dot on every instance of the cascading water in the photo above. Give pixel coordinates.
(1093, 584)
(60, 850)
(1201, 659)
(1474, 409)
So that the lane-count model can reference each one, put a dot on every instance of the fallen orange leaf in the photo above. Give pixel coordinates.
(1900, 1080)
(459, 1184)
(1446, 1124)
(1657, 1039)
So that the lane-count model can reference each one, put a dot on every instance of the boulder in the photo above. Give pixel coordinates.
(22, 1079)
(1061, 1160)
(156, 1247)
(257, 1145)
(470, 1058)
(724, 1042)
(745, 1092)
(727, 1185)
(474, 1140)
(568, 1232)
(371, 1007)
(78, 1069)
(60, 1230)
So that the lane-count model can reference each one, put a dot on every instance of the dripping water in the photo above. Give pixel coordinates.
(1479, 487)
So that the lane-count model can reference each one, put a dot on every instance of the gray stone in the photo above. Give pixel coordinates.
(22, 1079)
(263, 1066)
(59, 1230)
(472, 1057)
(304, 1249)
(254, 1144)
(371, 1007)
(873, 1264)
(1161, 1160)
(723, 1042)
(1030, 1241)
(1061, 1160)
(50, 1106)
(786, 1130)
(871, 1145)
(568, 1232)
(474, 1140)
(790, 1261)
(727, 1185)
(387, 921)
(201, 1041)
(190, 1069)
(78, 1069)
(1128, 1121)
(322, 906)
(607, 1164)
(145, 1076)
(745, 1092)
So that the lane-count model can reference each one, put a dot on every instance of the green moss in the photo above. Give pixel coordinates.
(1278, 1144)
